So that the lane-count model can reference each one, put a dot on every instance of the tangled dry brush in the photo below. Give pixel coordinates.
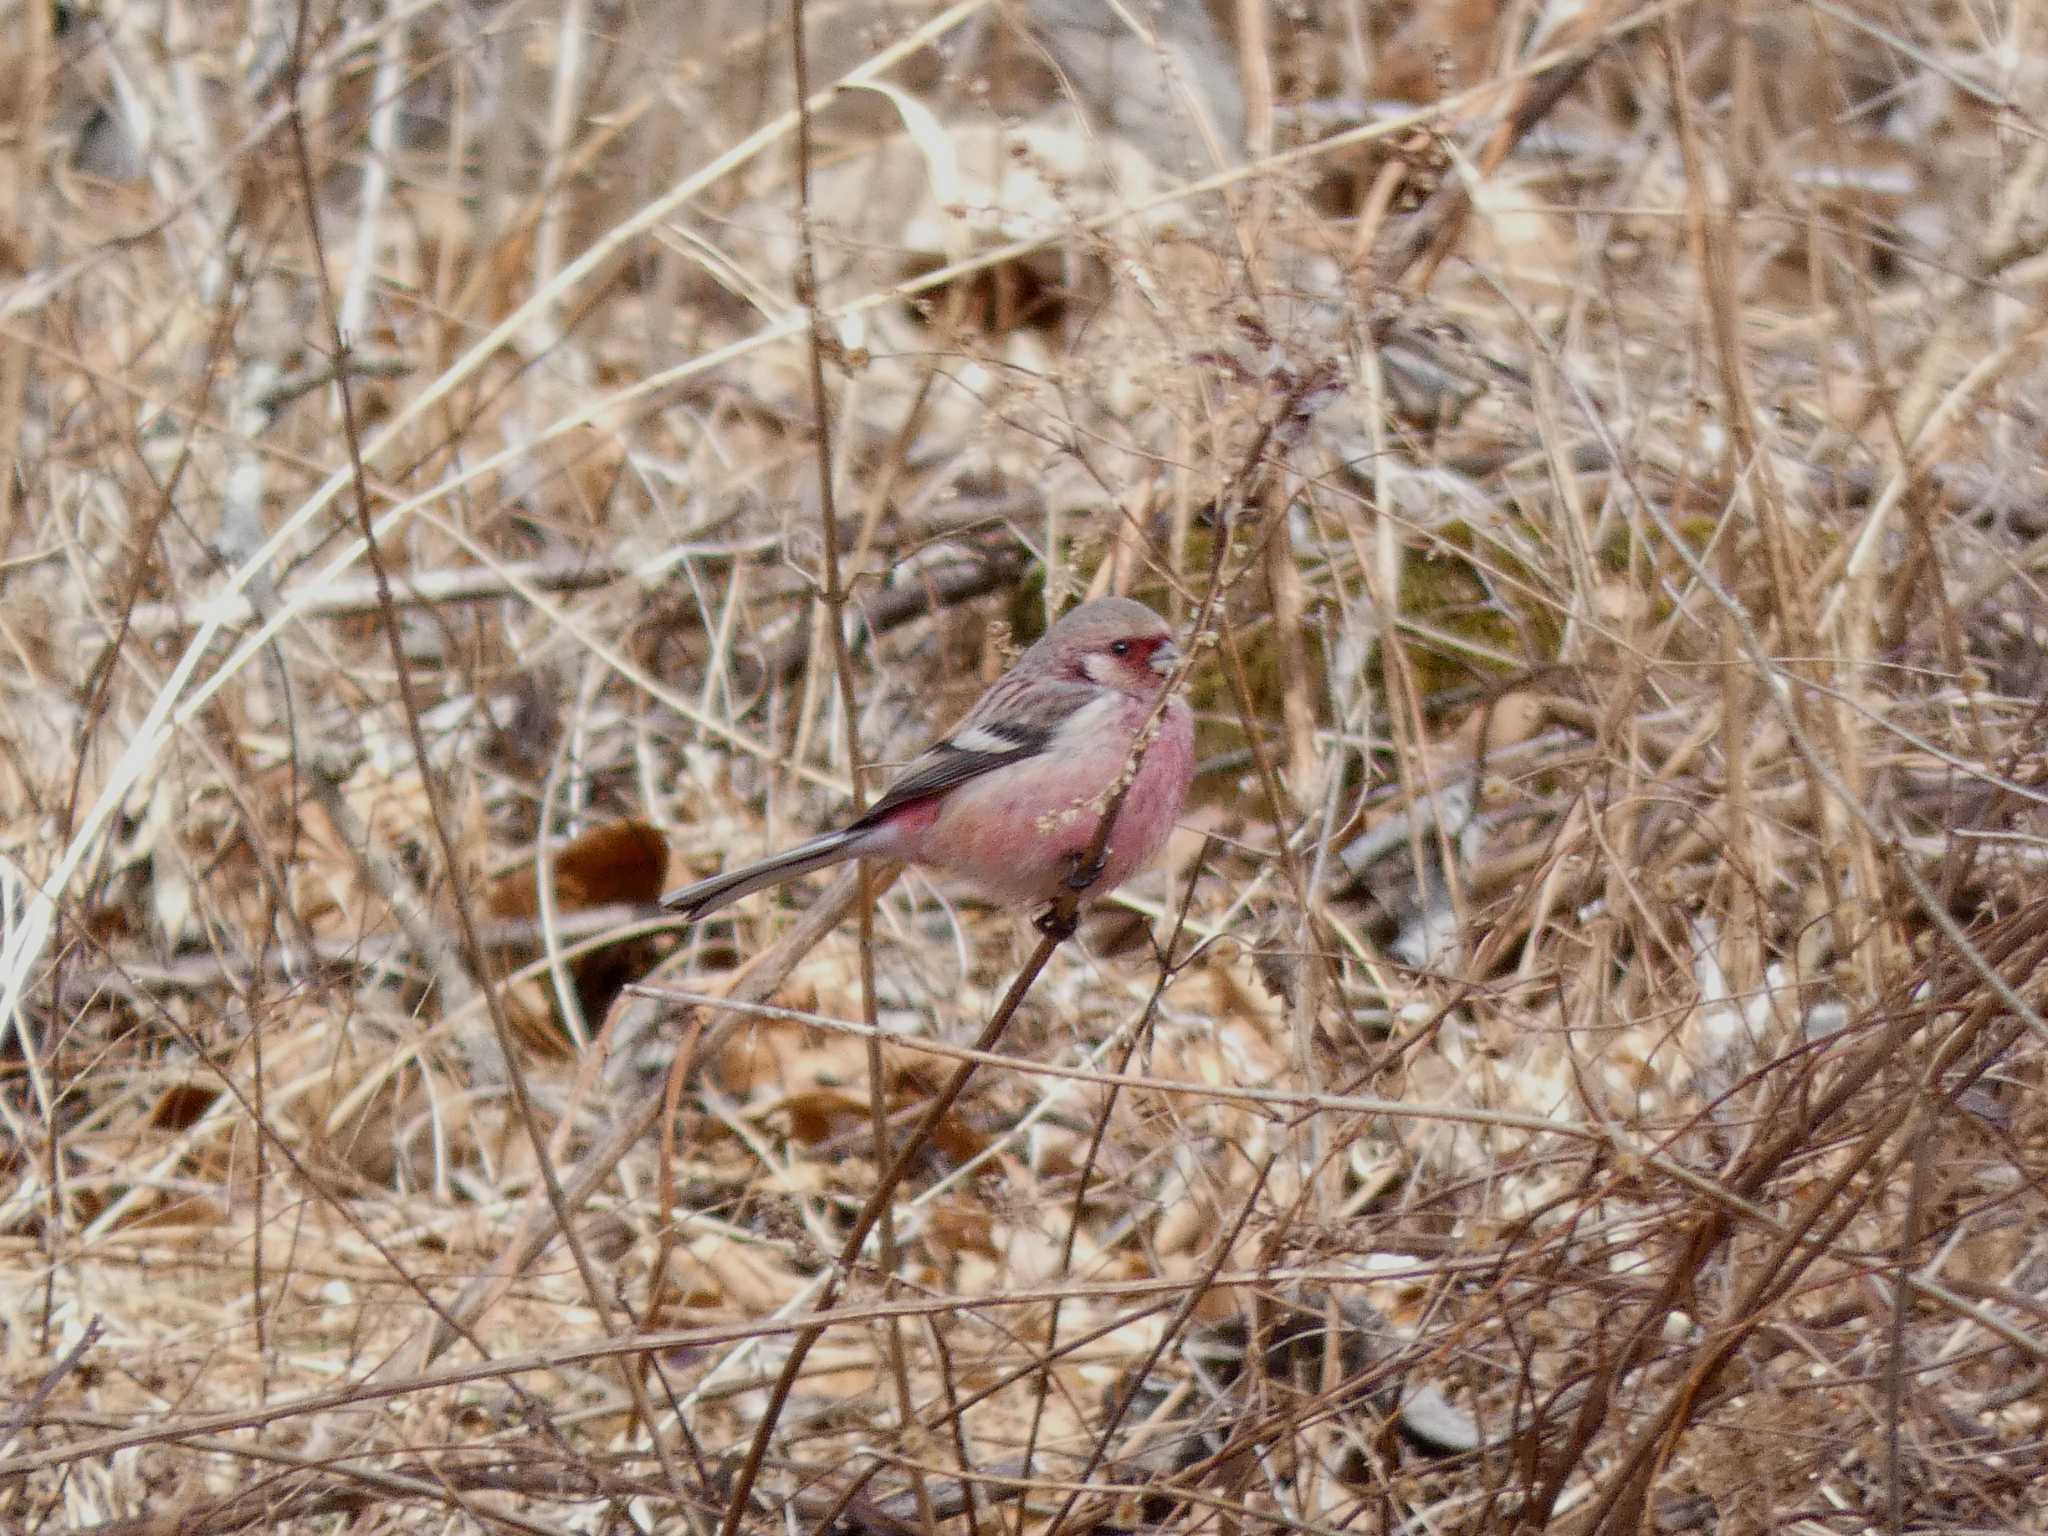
(474, 465)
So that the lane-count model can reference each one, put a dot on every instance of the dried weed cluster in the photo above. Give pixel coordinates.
(474, 466)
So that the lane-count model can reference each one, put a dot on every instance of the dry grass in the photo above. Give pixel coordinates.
(1586, 1067)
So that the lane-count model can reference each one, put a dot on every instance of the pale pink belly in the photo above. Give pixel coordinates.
(1015, 834)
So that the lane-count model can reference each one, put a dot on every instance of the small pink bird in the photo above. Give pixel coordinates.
(1010, 799)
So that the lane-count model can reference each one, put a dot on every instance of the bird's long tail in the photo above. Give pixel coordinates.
(707, 896)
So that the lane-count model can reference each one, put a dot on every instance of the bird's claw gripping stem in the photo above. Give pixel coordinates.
(1082, 871)
(1057, 922)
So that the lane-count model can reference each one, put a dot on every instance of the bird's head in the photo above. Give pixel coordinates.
(1112, 642)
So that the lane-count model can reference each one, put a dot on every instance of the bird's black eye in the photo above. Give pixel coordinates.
(1120, 648)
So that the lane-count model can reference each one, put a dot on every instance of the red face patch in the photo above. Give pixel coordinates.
(1124, 663)
(1142, 650)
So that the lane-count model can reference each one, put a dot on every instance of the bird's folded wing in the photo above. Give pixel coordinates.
(971, 751)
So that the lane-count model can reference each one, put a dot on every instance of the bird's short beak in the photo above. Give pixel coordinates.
(1166, 658)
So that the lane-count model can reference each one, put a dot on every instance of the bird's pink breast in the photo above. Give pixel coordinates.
(1014, 834)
